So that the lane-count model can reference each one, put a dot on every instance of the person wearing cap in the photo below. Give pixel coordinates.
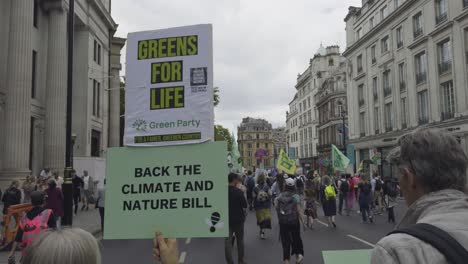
(290, 217)
(36, 221)
(237, 211)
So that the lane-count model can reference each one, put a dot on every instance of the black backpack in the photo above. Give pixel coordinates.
(378, 185)
(392, 190)
(453, 251)
(344, 187)
(287, 210)
(366, 188)
(300, 183)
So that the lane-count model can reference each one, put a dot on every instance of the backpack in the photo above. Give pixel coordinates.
(453, 251)
(378, 185)
(392, 190)
(12, 196)
(300, 184)
(344, 187)
(287, 209)
(262, 194)
(330, 192)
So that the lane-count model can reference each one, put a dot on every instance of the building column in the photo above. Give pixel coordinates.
(18, 86)
(56, 93)
(114, 94)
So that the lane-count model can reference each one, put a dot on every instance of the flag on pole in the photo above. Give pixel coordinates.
(285, 164)
(361, 166)
(339, 160)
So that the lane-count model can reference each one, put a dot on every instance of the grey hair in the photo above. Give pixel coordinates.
(326, 180)
(435, 158)
(71, 246)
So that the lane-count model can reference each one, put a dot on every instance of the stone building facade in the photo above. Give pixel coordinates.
(255, 137)
(280, 141)
(302, 118)
(33, 83)
(331, 105)
(407, 69)
(292, 129)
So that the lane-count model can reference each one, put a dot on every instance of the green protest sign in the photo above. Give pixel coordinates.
(180, 191)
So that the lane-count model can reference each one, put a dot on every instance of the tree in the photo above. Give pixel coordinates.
(216, 97)
(223, 134)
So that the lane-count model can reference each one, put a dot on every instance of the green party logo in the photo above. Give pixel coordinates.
(140, 125)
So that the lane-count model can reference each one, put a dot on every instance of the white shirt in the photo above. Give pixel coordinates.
(86, 182)
(45, 175)
(373, 183)
(59, 181)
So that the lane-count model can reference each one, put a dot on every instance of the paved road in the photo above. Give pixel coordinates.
(350, 235)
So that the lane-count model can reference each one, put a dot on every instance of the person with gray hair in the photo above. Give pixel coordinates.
(71, 246)
(432, 175)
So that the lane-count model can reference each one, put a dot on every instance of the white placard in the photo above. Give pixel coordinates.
(169, 87)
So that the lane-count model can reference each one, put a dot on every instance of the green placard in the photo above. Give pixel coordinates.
(347, 256)
(178, 190)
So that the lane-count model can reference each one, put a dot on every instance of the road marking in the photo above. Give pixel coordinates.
(320, 222)
(188, 241)
(183, 255)
(361, 240)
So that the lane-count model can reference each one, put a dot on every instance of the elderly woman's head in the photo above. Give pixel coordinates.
(326, 180)
(71, 246)
(429, 160)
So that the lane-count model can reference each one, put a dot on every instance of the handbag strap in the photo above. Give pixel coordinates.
(453, 251)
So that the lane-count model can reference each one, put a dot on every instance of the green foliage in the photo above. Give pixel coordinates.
(223, 134)
(216, 97)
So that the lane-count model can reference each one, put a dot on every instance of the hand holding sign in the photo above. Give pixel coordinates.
(165, 250)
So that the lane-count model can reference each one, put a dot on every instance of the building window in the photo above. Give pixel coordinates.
(34, 73)
(376, 120)
(465, 3)
(331, 62)
(448, 100)
(421, 68)
(266, 145)
(31, 143)
(359, 63)
(362, 124)
(386, 83)
(399, 37)
(361, 95)
(388, 117)
(445, 56)
(97, 52)
(308, 101)
(249, 145)
(383, 12)
(441, 11)
(397, 3)
(358, 33)
(423, 107)
(417, 25)
(375, 88)
(96, 98)
(404, 113)
(95, 143)
(373, 55)
(35, 12)
(402, 76)
(258, 145)
(258, 136)
(384, 45)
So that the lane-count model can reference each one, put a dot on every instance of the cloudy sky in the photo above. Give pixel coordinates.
(259, 45)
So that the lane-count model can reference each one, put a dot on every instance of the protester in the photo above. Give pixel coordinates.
(88, 190)
(343, 186)
(70, 246)
(351, 193)
(262, 204)
(77, 187)
(237, 207)
(365, 200)
(29, 185)
(165, 250)
(310, 207)
(290, 218)
(378, 194)
(356, 181)
(250, 184)
(37, 220)
(11, 196)
(431, 167)
(54, 200)
(100, 203)
(58, 179)
(45, 174)
(390, 193)
(329, 201)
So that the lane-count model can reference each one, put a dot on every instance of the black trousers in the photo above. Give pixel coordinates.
(238, 232)
(101, 213)
(76, 200)
(391, 215)
(291, 240)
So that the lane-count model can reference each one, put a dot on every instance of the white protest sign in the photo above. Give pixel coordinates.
(169, 87)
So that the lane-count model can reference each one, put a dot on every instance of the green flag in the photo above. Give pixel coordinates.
(340, 161)
(285, 164)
